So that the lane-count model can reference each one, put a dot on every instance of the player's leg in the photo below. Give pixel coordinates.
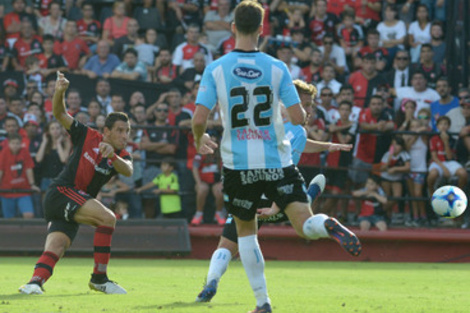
(94, 213)
(202, 190)
(219, 202)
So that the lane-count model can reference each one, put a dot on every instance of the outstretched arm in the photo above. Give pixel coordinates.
(58, 102)
(313, 146)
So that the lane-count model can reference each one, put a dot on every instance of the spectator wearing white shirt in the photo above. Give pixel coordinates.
(217, 24)
(392, 31)
(285, 54)
(418, 92)
(328, 79)
(419, 32)
(334, 54)
(330, 112)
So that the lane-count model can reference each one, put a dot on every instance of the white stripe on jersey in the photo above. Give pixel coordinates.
(284, 147)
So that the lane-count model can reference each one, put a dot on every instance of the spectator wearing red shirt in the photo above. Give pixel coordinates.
(42, 7)
(89, 29)
(365, 81)
(312, 73)
(443, 160)
(337, 6)
(364, 150)
(367, 12)
(16, 172)
(12, 21)
(165, 72)
(226, 45)
(27, 45)
(49, 62)
(350, 35)
(322, 23)
(116, 25)
(381, 54)
(74, 49)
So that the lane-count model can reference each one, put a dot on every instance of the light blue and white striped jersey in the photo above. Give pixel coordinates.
(297, 136)
(249, 86)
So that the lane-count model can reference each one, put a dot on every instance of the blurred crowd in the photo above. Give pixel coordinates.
(379, 66)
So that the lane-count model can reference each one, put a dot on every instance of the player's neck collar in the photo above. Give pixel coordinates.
(245, 51)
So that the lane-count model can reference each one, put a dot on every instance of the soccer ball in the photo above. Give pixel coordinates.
(449, 201)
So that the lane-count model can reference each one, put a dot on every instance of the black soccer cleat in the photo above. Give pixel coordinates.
(346, 239)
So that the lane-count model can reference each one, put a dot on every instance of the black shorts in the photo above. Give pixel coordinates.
(243, 189)
(60, 205)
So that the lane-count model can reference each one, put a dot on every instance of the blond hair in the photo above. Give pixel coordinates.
(303, 87)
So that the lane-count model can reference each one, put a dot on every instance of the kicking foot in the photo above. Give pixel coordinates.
(208, 292)
(346, 239)
(316, 187)
(31, 289)
(265, 308)
(109, 287)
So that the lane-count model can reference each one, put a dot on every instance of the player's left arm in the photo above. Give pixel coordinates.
(314, 146)
(122, 164)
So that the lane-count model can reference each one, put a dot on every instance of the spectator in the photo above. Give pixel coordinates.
(53, 24)
(417, 145)
(131, 68)
(206, 173)
(49, 92)
(53, 153)
(346, 93)
(443, 160)
(426, 65)
(188, 12)
(128, 40)
(300, 47)
(13, 20)
(74, 49)
(372, 211)
(17, 107)
(367, 13)
(419, 32)
(226, 45)
(94, 109)
(285, 54)
(5, 53)
(342, 131)
(146, 52)
(419, 92)
(35, 115)
(372, 47)
(42, 8)
(117, 104)
(446, 103)
(322, 22)
(168, 189)
(12, 126)
(109, 194)
(149, 16)
(89, 29)
(16, 172)
(405, 114)
(31, 86)
(10, 89)
(312, 73)
(351, 37)
(400, 75)
(49, 62)
(103, 63)
(4, 115)
(184, 53)
(458, 116)
(74, 102)
(164, 71)
(437, 42)
(28, 44)
(116, 26)
(334, 54)
(158, 143)
(328, 79)
(329, 112)
(365, 80)
(103, 91)
(392, 31)
(217, 23)
(136, 98)
(187, 79)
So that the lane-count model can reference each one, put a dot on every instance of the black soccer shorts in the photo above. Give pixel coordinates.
(243, 189)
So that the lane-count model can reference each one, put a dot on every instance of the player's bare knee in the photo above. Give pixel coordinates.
(108, 218)
(57, 243)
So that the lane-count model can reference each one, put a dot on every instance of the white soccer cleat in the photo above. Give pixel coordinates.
(316, 187)
(31, 289)
(109, 287)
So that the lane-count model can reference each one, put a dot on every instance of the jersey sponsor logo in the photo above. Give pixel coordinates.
(242, 203)
(253, 134)
(252, 176)
(286, 190)
(275, 218)
(69, 208)
(249, 73)
(96, 150)
(103, 171)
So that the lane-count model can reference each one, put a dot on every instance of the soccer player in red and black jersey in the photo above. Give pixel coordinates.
(70, 199)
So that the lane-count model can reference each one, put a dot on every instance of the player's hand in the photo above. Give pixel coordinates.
(62, 83)
(206, 145)
(264, 213)
(106, 149)
(339, 147)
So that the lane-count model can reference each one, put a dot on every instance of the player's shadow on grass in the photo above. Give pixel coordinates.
(19, 296)
(181, 304)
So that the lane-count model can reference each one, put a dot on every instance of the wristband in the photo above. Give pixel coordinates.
(113, 158)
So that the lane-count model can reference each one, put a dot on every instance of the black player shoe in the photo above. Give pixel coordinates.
(208, 292)
(265, 308)
(346, 239)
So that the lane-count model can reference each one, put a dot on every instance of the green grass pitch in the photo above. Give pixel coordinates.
(294, 287)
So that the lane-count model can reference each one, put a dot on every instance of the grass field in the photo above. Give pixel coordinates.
(297, 287)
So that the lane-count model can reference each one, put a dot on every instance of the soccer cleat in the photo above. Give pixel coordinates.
(31, 289)
(265, 308)
(196, 221)
(208, 292)
(219, 219)
(316, 187)
(109, 287)
(346, 239)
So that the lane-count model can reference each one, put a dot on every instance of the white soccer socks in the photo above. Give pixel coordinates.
(314, 227)
(219, 263)
(253, 262)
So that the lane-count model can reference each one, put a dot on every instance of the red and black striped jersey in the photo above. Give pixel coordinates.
(87, 170)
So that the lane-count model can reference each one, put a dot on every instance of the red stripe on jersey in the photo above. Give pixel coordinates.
(71, 196)
(88, 160)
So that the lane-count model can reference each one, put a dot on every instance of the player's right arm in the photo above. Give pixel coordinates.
(58, 102)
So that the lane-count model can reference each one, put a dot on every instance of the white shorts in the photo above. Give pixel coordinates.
(452, 166)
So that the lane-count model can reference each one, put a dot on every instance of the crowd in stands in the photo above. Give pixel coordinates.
(379, 66)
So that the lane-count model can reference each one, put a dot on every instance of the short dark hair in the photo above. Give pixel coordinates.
(112, 118)
(426, 45)
(345, 102)
(346, 87)
(400, 141)
(419, 72)
(348, 13)
(376, 97)
(16, 98)
(376, 179)
(443, 118)
(373, 31)
(15, 136)
(249, 15)
(11, 118)
(131, 51)
(86, 3)
(170, 162)
(48, 37)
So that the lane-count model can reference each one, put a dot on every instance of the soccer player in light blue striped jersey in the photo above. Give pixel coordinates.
(256, 155)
